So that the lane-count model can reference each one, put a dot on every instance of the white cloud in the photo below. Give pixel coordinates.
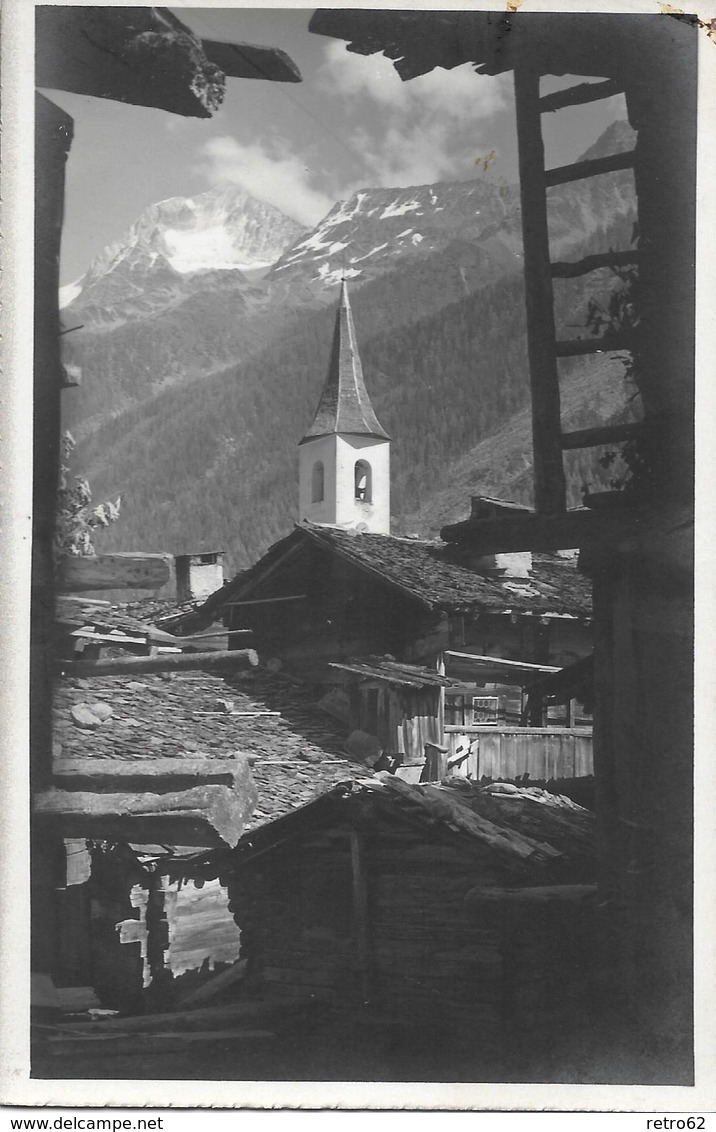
(430, 128)
(271, 172)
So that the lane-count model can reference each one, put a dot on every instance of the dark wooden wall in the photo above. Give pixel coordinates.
(417, 955)
(404, 719)
(344, 614)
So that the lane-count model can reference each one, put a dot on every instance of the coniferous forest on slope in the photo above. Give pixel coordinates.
(212, 464)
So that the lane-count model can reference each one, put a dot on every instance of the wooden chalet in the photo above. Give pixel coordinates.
(323, 594)
(637, 545)
(374, 900)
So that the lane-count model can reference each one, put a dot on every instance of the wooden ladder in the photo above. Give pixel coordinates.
(543, 349)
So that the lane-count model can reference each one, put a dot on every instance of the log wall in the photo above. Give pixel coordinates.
(416, 955)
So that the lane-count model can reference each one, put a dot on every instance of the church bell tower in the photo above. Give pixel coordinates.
(344, 458)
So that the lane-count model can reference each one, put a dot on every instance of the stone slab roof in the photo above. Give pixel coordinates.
(295, 754)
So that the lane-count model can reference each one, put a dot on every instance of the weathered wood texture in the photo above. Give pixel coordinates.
(204, 815)
(591, 168)
(53, 136)
(170, 662)
(643, 728)
(147, 774)
(341, 613)
(579, 95)
(542, 753)
(143, 56)
(115, 571)
(311, 925)
(550, 490)
(403, 719)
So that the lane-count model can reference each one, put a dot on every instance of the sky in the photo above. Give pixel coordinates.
(350, 124)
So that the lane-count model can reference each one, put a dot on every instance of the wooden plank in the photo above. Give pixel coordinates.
(591, 168)
(579, 95)
(114, 572)
(175, 662)
(575, 268)
(108, 638)
(550, 490)
(606, 434)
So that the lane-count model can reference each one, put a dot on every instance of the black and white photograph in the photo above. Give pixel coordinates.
(360, 598)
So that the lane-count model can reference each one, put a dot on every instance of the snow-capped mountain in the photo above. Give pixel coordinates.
(368, 234)
(222, 230)
(203, 339)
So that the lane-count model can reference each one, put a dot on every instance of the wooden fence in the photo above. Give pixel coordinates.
(508, 752)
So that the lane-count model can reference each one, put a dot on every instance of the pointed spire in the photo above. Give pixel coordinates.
(345, 405)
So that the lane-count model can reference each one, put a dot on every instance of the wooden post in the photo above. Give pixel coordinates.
(53, 136)
(550, 491)
(360, 911)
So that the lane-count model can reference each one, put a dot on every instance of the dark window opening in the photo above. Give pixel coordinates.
(318, 482)
(363, 485)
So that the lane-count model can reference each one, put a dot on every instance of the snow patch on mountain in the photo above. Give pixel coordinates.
(206, 248)
(70, 291)
(395, 209)
(224, 229)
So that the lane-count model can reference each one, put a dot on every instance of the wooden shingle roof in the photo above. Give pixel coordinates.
(421, 570)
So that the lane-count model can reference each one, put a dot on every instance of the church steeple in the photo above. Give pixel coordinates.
(344, 458)
(345, 405)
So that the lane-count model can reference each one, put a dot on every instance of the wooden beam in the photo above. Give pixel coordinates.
(577, 347)
(114, 572)
(210, 636)
(174, 662)
(579, 95)
(606, 434)
(567, 270)
(360, 910)
(205, 815)
(266, 600)
(496, 660)
(187, 1020)
(591, 168)
(247, 61)
(557, 895)
(217, 985)
(144, 774)
(547, 532)
(550, 489)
